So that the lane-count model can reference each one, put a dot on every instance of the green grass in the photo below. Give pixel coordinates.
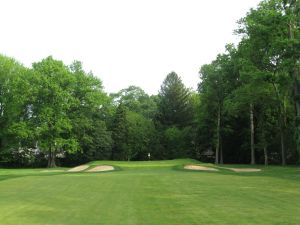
(150, 193)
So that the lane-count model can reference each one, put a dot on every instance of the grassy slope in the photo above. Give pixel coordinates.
(152, 193)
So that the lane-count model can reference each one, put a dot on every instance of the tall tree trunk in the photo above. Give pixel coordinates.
(252, 134)
(282, 123)
(51, 158)
(297, 106)
(218, 136)
(221, 152)
(282, 134)
(283, 161)
(266, 155)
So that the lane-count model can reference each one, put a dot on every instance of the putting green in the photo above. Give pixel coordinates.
(150, 193)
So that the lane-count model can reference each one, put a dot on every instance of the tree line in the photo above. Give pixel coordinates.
(54, 113)
(252, 90)
(246, 109)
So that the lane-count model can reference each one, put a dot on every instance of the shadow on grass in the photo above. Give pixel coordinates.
(37, 174)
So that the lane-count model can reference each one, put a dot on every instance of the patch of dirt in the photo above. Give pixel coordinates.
(52, 171)
(202, 168)
(78, 168)
(101, 168)
(245, 169)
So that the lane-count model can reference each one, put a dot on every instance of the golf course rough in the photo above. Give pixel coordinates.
(151, 193)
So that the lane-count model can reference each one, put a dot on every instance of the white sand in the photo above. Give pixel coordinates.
(202, 168)
(101, 168)
(78, 168)
(245, 169)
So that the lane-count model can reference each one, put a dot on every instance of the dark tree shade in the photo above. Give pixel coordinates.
(119, 134)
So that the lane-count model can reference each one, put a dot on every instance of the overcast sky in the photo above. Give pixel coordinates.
(124, 42)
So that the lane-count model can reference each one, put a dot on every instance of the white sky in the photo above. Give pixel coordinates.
(124, 42)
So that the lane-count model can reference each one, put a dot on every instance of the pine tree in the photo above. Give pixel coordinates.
(175, 114)
(174, 106)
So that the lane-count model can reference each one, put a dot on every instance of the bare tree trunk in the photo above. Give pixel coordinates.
(283, 161)
(221, 152)
(218, 136)
(266, 156)
(252, 134)
(282, 136)
(297, 104)
(51, 159)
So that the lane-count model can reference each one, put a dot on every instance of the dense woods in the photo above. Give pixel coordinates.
(246, 109)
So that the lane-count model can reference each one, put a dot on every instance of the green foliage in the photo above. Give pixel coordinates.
(218, 80)
(133, 135)
(176, 113)
(50, 110)
(54, 109)
(120, 134)
(136, 100)
(16, 97)
(174, 103)
(88, 117)
(141, 135)
(174, 140)
(258, 78)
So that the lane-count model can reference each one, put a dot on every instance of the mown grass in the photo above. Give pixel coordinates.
(150, 193)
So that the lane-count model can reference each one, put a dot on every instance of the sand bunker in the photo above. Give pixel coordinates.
(245, 169)
(52, 171)
(101, 168)
(78, 168)
(202, 168)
